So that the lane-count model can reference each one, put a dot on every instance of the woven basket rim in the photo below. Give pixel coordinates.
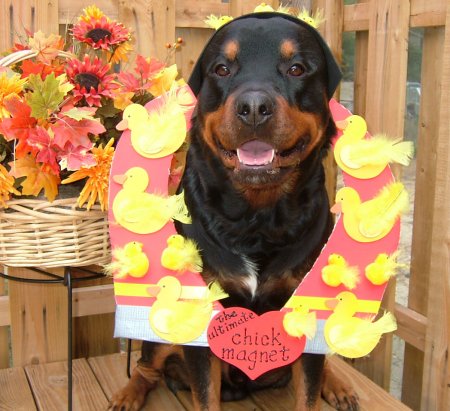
(37, 232)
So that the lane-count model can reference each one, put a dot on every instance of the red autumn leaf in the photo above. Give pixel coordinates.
(147, 68)
(67, 129)
(73, 158)
(46, 148)
(37, 178)
(128, 81)
(19, 126)
(30, 67)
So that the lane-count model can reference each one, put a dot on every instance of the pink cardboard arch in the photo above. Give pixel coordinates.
(248, 345)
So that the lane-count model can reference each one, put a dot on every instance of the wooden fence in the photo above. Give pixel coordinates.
(32, 317)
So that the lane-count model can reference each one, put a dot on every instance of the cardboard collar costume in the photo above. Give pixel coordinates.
(157, 301)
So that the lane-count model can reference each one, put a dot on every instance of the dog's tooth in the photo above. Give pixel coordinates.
(238, 152)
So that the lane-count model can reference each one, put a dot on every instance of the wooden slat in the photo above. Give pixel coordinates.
(356, 17)
(69, 10)
(38, 320)
(411, 326)
(426, 174)
(49, 385)
(95, 383)
(92, 333)
(331, 30)
(427, 13)
(194, 41)
(111, 373)
(360, 70)
(152, 24)
(4, 321)
(32, 15)
(247, 404)
(192, 13)
(423, 13)
(15, 393)
(93, 300)
(86, 301)
(372, 397)
(384, 112)
(436, 376)
(284, 398)
(387, 65)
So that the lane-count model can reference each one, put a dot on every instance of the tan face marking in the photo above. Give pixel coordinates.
(287, 49)
(231, 50)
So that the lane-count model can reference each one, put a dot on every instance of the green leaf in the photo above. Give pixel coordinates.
(79, 113)
(45, 95)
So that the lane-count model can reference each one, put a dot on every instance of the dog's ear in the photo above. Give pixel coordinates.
(334, 72)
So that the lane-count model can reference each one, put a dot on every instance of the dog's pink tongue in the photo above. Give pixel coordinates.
(255, 153)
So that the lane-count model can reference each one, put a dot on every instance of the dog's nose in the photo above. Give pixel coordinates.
(254, 107)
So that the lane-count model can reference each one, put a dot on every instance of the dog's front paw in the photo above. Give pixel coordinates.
(339, 394)
(132, 396)
(129, 398)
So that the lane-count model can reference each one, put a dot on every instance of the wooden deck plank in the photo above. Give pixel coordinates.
(97, 378)
(372, 397)
(110, 371)
(49, 385)
(243, 405)
(15, 393)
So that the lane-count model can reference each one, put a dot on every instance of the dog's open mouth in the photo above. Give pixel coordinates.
(259, 155)
(255, 153)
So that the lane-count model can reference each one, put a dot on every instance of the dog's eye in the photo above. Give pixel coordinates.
(222, 70)
(296, 70)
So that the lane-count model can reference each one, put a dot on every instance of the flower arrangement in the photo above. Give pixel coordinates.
(60, 101)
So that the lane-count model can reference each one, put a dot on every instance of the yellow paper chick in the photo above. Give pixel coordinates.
(181, 255)
(129, 260)
(263, 7)
(215, 22)
(382, 269)
(181, 321)
(313, 19)
(300, 322)
(142, 212)
(350, 336)
(367, 157)
(338, 272)
(159, 133)
(373, 219)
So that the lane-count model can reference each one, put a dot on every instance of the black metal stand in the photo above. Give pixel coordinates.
(67, 281)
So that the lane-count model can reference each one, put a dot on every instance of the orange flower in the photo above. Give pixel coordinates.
(6, 186)
(97, 177)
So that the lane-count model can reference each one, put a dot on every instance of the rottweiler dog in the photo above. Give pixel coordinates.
(254, 185)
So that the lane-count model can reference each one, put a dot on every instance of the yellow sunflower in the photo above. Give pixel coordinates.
(92, 13)
(96, 186)
(120, 53)
(10, 86)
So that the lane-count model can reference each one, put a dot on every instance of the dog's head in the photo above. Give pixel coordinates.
(264, 81)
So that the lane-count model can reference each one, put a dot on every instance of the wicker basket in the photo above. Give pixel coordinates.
(37, 233)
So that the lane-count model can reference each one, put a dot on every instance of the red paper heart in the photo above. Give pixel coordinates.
(255, 344)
